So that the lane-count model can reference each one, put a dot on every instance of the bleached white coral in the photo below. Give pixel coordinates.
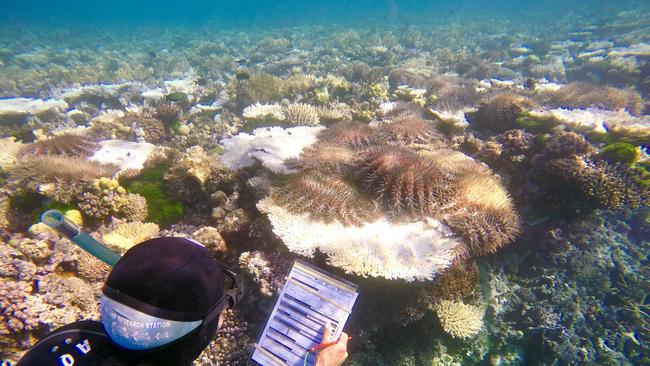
(453, 118)
(271, 146)
(124, 154)
(639, 49)
(108, 116)
(99, 90)
(153, 95)
(411, 251)
(26, 106)
(386, 107)
(260, 112)
(187, 86)
(9, 151)
(595, 120)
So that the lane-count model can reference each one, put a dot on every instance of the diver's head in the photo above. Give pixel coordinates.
(165, 296)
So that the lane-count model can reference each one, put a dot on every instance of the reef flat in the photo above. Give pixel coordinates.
(485, 182)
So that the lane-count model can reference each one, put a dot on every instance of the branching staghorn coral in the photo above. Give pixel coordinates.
(262, 88)
(300, 83)
(68, 145)
(459, 320)
(324, 196)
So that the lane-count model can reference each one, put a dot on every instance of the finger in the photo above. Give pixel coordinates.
(327, 333)
(344, 339)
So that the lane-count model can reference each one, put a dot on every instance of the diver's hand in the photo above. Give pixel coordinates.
(333, 355)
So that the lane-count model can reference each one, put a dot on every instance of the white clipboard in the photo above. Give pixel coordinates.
(309, 298)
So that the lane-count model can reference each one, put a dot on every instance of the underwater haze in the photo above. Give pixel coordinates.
(481, 169)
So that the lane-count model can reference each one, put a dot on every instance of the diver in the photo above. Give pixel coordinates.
(161, 305)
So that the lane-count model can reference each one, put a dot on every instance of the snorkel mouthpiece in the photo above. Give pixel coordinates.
(56, 220)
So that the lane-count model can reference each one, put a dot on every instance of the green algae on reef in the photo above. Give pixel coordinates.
(149, 184)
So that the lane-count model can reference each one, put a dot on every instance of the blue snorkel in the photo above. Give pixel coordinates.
(56, 220)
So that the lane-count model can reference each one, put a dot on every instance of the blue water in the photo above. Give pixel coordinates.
(254, 13)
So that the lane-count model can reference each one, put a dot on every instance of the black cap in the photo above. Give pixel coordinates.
(172, 278)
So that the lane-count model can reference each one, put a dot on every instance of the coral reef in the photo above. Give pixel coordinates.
(604, 184)
(457, 282)
(102, 198)
(261, 113)
(301, 114)
(582, 303)
(128, 234)
(334, 112)
(262, 88)
(375, 249)
(199, 124)
(186, 178)
(210, 237)
(459, 320)
(169, 115)
(126, 155)
(269, 146)
(267, 270)
(36, 296)
(232, 346)
(135, 208)
(584, 95)
(149, 184)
